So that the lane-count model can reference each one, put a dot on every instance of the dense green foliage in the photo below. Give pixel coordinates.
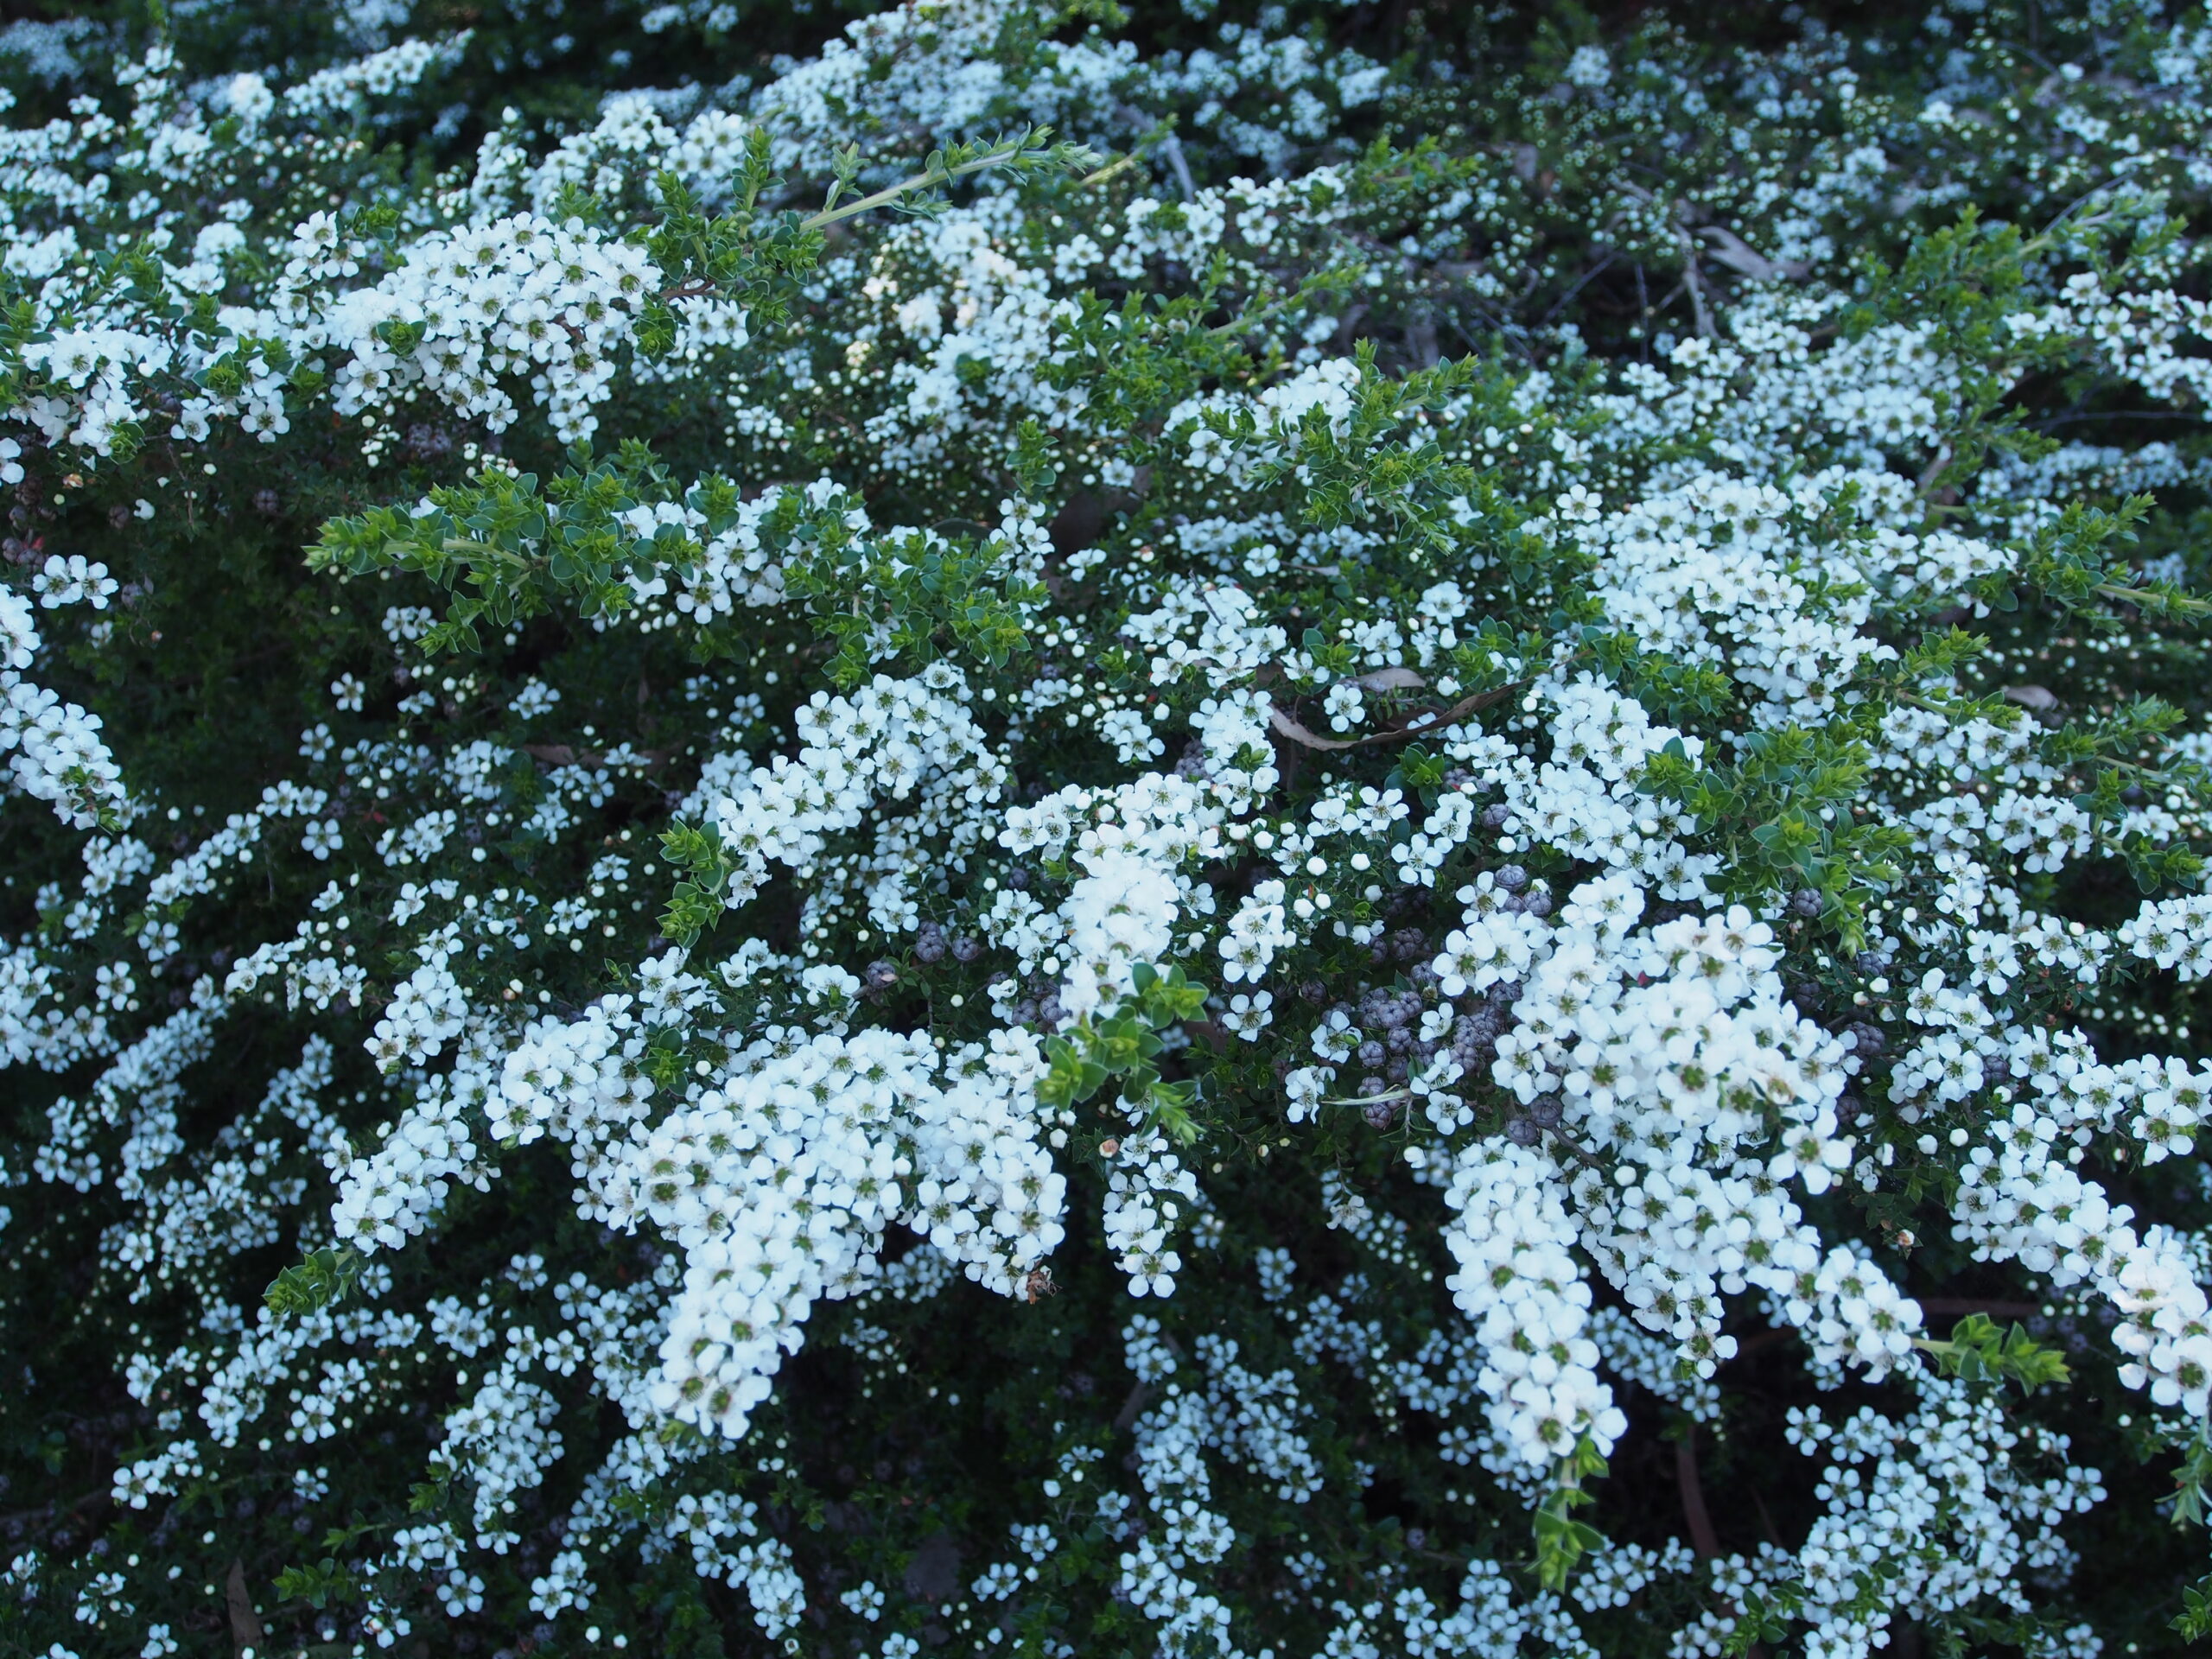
(1509, 704)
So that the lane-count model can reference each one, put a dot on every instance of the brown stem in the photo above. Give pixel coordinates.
(1766, 1520)
(1132, 1407)
(1452, 716)
(246, 1623)
(1694, 279)
(1703, 1539)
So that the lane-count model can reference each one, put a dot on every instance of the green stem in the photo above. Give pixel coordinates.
(921, 180)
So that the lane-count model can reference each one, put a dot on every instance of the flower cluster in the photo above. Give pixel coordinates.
(1008, 896)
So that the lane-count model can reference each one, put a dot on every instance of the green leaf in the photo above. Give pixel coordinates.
(318, 1583)
(318, 1282)
(2194, 1622)
(1979, 1353)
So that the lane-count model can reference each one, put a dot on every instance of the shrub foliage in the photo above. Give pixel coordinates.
(1081, 829)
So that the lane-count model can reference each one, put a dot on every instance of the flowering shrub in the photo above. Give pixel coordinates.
(1089, 831)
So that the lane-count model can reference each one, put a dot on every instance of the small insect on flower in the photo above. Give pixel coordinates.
(1038, 1286)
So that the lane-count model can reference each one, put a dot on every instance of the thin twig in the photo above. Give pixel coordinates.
(1172, 148)
(995, 157)
(1694, 279)
(1452, 716)
(1581, 282)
